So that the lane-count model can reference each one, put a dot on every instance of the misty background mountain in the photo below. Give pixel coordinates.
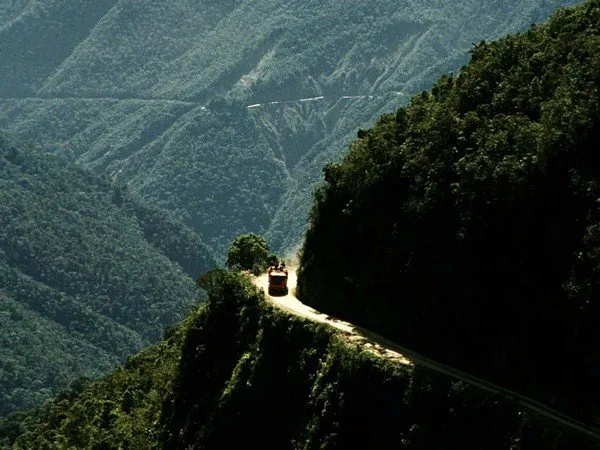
(88, 275)
(225, 112)
(491, 236)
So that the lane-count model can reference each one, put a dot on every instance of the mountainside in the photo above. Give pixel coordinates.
(466, 225)
(88, 275)
(12, 9)
(239, 373)
(163, 96)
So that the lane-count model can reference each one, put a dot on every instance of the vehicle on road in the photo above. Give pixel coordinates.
(278, 278)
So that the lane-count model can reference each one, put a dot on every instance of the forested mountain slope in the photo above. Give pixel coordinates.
(158, 95)
(466, 225)
(239, 373)
(88, 275)
(11, 9)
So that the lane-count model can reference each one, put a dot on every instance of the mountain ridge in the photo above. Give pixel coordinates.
(479, 201)
(278, 52)
(282, 382)
(101, 271)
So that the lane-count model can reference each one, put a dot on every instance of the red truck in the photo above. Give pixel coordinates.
(278, 281)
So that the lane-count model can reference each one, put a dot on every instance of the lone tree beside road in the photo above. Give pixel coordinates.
(249, 252)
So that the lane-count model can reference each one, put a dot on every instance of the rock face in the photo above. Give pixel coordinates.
(225, 112)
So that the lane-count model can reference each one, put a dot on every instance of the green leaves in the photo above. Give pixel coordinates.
(473, 206)
(247, 251)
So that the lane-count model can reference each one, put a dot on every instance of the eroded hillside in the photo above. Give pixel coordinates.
(136, 91)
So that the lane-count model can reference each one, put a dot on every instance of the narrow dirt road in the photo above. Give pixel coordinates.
(390, 350)
(353, 334)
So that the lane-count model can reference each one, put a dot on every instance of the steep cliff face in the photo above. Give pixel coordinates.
(240, 374)
(135, 90)
(466, 224)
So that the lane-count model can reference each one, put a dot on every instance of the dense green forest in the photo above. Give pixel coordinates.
(157, 95)
(88, 274)
(238, 373)
(466, 225)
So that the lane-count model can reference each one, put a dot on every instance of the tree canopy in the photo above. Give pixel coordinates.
(248, 251)
(467, 225)
(224, 376)
(88, 273)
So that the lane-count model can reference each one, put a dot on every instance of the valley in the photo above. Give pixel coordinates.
(160, 117)
(430, 167)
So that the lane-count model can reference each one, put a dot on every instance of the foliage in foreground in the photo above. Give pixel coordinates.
(239, 374)
(467, 225)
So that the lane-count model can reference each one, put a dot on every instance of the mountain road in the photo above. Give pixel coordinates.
(387, 349)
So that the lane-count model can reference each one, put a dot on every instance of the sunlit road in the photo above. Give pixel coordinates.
(354, 334)
(390, 350)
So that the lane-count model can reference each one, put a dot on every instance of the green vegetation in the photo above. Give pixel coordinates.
(238, 373)
(38, 36)
(11, 9)
(88, 274)
(466, 225)
(249, 252)
(154, 95)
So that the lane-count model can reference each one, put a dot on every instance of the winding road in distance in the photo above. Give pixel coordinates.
(387, 349)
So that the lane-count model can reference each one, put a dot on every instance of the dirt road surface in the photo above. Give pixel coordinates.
(387, 349)
(353, 334)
